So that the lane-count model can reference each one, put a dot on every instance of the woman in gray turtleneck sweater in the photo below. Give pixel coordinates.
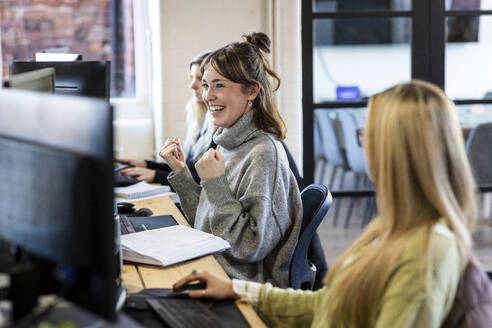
(247, 195)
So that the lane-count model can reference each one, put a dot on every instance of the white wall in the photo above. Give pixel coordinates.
(189, 28)
(286, 35)
(193, 26)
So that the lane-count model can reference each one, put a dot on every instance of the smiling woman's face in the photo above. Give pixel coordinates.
(226, 101)
(196, 82)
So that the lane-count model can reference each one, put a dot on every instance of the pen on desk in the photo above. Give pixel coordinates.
(145, 228)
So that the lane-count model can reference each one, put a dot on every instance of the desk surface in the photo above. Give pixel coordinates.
(138, 277)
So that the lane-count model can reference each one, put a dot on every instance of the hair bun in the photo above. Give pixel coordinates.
(258, 40)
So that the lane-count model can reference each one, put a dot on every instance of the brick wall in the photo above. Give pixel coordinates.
(28, 26)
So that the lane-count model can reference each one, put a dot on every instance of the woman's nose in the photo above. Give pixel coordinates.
(194, 84)
(208, 95)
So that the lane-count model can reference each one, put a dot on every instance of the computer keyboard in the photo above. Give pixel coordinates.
(126, 226)
(184, 313)
(123, 180)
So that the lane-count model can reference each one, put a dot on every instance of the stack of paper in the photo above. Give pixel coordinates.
(170, 245)
(140, 190)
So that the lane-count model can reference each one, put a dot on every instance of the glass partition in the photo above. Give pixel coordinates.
(468, 4)
(349, 54)
(468, 68)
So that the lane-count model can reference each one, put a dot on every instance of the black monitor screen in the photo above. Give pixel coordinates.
(56, 196)
(82, 78)
(39, 80)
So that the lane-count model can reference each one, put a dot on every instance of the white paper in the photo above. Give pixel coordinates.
(170, 245)
(141, 190)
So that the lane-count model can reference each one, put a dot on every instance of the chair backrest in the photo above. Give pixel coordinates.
(479, 150)
(354, 152)
(316, 201)
(293, 167)
(330, 148)
(317, 141)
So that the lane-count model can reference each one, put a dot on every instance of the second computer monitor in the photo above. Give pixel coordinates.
(83, 78)
(42, 80)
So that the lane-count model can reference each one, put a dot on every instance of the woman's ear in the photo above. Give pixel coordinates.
(253, 92)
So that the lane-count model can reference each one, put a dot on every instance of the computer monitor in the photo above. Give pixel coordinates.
(56, 193)
(82, 78)
(39, 80)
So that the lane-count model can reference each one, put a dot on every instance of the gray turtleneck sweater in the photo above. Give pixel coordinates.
(255, 206)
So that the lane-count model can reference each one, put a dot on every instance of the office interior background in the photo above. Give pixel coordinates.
(331, 56)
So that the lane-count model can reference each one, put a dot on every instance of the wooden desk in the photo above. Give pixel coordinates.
(138, 277)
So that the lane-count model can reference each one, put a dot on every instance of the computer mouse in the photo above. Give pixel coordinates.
(142, 212)
(126, 208)
(136, 302)
(187, 288)
(173, 293)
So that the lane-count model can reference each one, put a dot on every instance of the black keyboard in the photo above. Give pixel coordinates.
(184, 313)
(123, 180)
(126, 226)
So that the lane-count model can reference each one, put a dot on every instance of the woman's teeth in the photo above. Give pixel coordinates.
(216, 108)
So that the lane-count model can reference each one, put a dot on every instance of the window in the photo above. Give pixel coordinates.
(98, 30)
(355, 48)
(351, 49)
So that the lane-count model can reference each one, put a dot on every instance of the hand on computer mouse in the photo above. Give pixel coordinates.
(218, 287)
(140, 173)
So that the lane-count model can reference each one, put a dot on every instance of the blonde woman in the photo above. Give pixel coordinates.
(403, 270)
(199, 132)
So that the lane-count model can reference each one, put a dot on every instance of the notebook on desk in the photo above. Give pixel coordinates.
(169, 245)
(141, 190)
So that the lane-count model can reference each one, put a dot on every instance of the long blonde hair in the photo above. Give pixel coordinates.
(199, 127)
(419, 167)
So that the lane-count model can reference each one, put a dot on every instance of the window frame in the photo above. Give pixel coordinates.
(138, 107)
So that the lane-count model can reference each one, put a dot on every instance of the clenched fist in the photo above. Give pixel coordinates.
(211, 165)
(173, 154)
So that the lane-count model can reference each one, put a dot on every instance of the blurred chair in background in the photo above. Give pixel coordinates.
(479, 150)
(350, 123)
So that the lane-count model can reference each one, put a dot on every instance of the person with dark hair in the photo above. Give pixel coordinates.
(247, 195)
(199, 132)
(404, 269)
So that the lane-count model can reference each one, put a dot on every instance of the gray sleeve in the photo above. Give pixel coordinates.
(249, 222)
(188, 191)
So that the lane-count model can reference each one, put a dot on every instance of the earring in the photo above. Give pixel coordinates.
(250, 103)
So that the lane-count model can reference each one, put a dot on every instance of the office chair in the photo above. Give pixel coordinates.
(480, 153)
(293, 167)
(328, 147)
(356, 159)
(316, 200)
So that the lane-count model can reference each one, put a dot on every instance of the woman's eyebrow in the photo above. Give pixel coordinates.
(214, 80)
